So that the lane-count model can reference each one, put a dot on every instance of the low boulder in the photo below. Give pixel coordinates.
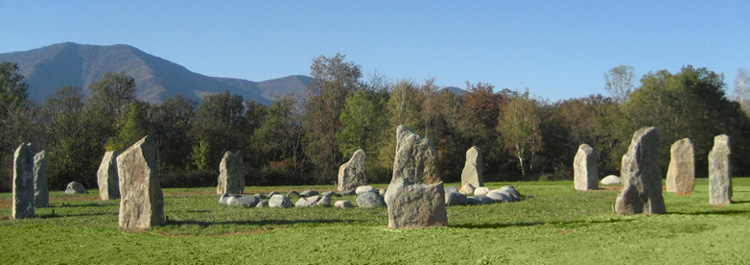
(232, 201)
(308, 193)
(349, 192)
(481, 191)
(317, 200)
(292, 193)
(279, 201)
(261, 204)
(451, 189)
(454, 198)
(611, 180)
(224, 197)
(370, 200)
(343, 204)
(364, 189)
(511, 192)
(248, 201)
(479, 199)
(497, 196)
(273, 193)
(75, 187)
(331, 194)
(467, 189)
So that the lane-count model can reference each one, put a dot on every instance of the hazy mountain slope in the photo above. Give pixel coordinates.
(48, 68)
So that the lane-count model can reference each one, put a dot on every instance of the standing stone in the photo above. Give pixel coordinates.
(23, 182)
(415, 196)
(641, 188)
(352, 173)
(142, 202)
(585, 172)
(720, 172)
(41, 185)
(681, 171)
(109, 183)
(472, 172)
(231, 177)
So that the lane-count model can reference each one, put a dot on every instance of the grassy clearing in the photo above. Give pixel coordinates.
(553, 225)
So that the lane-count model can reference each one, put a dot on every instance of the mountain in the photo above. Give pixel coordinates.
(48, 68)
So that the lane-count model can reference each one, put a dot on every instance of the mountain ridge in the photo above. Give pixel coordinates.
(47, 68)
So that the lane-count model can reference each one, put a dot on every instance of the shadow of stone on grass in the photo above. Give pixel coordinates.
(260, 223)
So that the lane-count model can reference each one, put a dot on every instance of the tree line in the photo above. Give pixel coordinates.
(304, 140)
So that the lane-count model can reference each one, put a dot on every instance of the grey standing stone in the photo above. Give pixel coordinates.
(75, 187)
(142, 201)
(681, 171)
(720, 172)
(641, 188)
(472, 172)
(585, 171)
(41, 186)
(279, 201)
(316, 200)
(231, 176)
(454, 198)
(23, 183)
(415, 196)
(107, 177)
(352, 174)
(370, 200)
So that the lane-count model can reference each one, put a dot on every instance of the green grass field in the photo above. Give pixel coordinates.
(553, 225)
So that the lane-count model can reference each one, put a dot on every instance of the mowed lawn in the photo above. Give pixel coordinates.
(553, 225)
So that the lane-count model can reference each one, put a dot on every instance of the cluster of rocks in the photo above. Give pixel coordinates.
(482, 195)
(367, 197)
(30, 184)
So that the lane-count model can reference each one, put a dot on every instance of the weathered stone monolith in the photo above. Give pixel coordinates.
(641, 176)
(585, 171)
(41, 184)
(231, 176)
(109, 183)
(720, 172)
(681, 171)
(352, 174)
(472, 172)
(415, 196)
(142, 201)
(23, 182)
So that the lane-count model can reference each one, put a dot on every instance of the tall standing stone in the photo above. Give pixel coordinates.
(641, 187)
(472, 172)
(720, 172)
(585, 171)
(681, 171)
(142, 202)
(107, 177)
(415, 196)
(352, 173)
(41, 184)
(231, 176)
(23, 182)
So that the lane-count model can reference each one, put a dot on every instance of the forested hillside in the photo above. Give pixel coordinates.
(303, 140)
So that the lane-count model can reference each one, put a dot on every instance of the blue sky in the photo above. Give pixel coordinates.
(556, 49)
